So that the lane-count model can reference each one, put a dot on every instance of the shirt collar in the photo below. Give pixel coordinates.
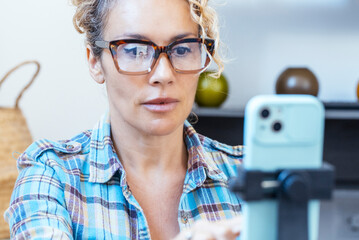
(200, 162)
(103, 159)
(104, 162)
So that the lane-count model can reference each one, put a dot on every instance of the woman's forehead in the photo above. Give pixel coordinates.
(156, 19)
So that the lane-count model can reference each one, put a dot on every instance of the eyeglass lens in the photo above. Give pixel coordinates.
(138, 57)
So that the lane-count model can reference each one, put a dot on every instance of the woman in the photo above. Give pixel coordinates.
(142, 172)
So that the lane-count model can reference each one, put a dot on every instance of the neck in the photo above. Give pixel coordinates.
(149, 155)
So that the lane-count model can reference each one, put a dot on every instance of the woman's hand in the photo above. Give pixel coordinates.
(204, 230)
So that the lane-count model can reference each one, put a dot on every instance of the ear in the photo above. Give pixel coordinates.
(95, 66)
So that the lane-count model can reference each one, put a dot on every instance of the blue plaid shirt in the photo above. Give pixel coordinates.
(76, 189)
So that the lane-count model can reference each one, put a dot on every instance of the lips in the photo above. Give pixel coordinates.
(161, 101)
(161, 104)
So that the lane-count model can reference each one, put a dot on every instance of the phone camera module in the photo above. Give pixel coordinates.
(277, 126)
(265, 113)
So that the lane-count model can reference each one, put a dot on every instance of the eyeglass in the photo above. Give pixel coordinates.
(135, 57)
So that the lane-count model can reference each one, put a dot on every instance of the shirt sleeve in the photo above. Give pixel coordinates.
(37, 207)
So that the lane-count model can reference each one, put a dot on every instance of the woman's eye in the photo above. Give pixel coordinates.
(136, 51)
(181, 51)
(131, 51)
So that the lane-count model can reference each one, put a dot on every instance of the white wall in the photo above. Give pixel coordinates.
(263, 40)
(64, 99)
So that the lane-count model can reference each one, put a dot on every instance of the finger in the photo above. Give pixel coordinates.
(184, 235)
(236, 224)
(196, 234)
(204, 230)
(203, 236)
(225, 233)
(228, 229)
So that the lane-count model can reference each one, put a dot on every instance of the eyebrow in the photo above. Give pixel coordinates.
(143, 37)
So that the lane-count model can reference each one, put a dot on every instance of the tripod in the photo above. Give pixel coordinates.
(293, 188)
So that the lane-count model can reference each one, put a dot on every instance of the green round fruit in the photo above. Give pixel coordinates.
(211, 92)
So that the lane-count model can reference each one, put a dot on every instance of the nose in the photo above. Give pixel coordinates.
(163, 72)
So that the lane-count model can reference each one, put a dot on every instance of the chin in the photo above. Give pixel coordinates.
(162, 127)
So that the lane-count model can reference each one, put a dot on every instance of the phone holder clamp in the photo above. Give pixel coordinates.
(293, 188)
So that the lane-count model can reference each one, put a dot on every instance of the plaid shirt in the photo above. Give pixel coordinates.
(77, 189)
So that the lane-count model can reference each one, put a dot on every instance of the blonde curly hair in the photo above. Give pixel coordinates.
(91, 17)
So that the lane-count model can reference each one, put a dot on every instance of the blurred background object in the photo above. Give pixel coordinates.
(15, 137)
(211, 91)
(297, 81)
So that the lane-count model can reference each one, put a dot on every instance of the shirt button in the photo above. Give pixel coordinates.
(69, 147)
(184, 219)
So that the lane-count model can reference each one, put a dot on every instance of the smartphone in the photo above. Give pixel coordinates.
(280, 132)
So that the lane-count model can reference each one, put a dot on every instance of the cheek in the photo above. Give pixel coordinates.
(193, 84)
(108, 66)
(189, 88)
(121, 89)
(124, 91)
(118, 89)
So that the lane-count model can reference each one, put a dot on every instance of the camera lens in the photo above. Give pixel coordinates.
(265, 113)
(277, 126)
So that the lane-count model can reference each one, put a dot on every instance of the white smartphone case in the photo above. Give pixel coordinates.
(297, 144)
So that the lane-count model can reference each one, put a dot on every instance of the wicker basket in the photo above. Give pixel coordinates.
(14, 137)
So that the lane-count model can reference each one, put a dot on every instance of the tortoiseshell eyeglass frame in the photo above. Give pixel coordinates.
(113, 45)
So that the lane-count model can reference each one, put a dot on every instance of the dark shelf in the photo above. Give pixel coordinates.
(341, 137)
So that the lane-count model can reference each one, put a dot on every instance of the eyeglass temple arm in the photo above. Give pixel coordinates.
(102, 44)
(211, 45)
